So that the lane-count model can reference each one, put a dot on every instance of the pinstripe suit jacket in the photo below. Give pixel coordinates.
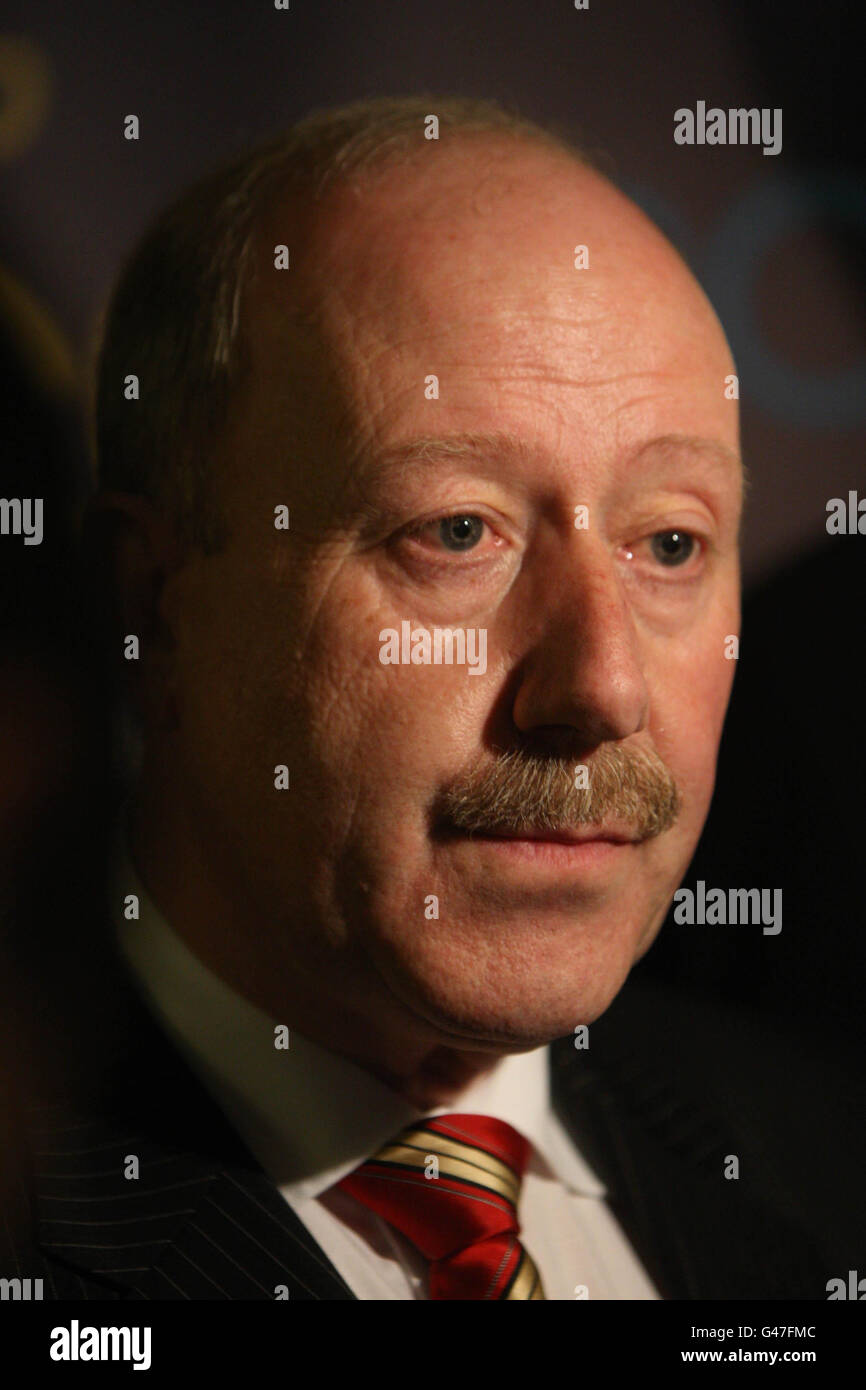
(202, 1221)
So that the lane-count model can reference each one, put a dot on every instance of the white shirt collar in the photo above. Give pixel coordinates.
(309, 1115)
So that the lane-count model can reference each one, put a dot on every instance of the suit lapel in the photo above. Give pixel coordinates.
(149, 1192)
(661, 1155)
(641, 1186)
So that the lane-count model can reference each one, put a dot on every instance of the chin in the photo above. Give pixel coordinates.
(499, 1006)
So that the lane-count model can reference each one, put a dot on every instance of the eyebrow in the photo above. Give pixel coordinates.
(415, 453)
(712, 450)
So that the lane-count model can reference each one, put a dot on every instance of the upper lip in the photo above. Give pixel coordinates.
(581, 836)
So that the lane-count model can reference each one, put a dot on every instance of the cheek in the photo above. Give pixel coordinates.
(359, 731)
(236, 677)
(212, 665)
(389, 721)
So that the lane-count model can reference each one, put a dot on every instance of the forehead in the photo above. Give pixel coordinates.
(462, 264)
(497, 217)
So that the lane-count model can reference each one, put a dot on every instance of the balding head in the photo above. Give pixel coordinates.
(175, 316)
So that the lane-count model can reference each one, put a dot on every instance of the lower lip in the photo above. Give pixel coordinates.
(556, 852)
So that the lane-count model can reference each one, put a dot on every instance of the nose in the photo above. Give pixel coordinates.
(582, 671)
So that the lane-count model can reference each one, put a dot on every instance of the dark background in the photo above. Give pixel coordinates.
(778, 243)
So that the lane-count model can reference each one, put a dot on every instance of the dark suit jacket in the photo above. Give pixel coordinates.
(202, 1221)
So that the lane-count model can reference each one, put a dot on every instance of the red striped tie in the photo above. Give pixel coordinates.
(451, 1184)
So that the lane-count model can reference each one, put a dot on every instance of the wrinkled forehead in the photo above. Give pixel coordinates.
(501, 216)
(491, 260)
(478, 229)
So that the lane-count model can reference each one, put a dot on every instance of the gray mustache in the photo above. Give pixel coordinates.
(522, 792)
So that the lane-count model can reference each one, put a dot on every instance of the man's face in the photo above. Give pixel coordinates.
(558, 388)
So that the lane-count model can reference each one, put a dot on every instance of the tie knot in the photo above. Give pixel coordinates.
(477, 1148)
(451, 1185)
(447, 1181)
(470, 1155)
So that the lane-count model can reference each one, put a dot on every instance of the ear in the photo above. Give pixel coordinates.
(139, 551)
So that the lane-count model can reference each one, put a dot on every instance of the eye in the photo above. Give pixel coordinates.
(456, 533)
(672, 548)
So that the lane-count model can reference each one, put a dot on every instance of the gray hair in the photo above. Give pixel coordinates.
(174, 317)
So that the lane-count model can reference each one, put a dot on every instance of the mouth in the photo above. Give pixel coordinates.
(590, 835)
(584, 850)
